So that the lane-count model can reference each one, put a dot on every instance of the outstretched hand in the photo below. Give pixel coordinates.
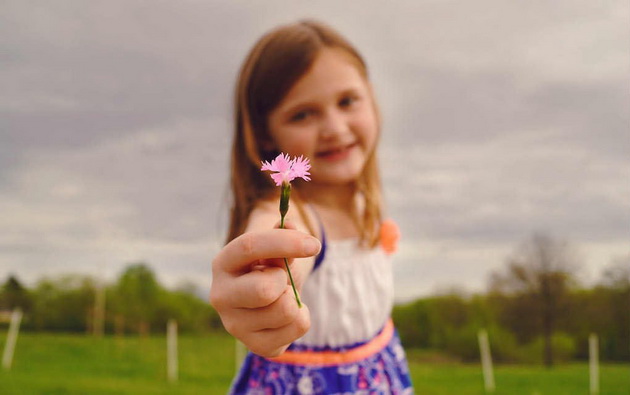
(250, 288)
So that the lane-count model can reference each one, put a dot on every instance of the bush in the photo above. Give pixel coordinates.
(563, 347)
(503, 345)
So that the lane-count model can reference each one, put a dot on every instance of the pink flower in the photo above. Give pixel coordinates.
(287, 169)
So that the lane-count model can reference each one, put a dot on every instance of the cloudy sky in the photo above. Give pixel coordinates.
(500, 119)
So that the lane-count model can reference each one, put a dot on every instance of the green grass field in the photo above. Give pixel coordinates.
(75, 364)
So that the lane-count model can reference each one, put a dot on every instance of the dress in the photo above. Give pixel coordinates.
(352, 346)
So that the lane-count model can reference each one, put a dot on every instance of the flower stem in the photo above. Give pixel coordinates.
(295, 292)
(284, 207)
(286, 264)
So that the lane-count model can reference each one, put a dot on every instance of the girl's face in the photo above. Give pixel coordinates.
(329, 117)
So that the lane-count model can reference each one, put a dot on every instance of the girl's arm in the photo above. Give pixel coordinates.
(250, 288)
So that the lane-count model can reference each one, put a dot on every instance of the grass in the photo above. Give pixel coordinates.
(75, 364)
(567, 379)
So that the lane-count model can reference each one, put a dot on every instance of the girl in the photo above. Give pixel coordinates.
(304, 90)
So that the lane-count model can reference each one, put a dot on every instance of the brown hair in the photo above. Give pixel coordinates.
(273, 66)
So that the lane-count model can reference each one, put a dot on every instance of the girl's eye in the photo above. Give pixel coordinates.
(300, 116)
(347, 101)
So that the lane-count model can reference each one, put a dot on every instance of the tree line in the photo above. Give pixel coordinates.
(135, 303)
(534, 309)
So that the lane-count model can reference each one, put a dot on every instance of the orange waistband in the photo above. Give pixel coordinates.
(323, 358)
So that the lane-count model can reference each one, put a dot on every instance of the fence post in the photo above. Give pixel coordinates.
(486, 361)
(593, 354)
(9, 347)
(171, 350)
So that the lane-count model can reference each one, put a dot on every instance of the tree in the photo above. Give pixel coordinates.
(63, 304)
(536, 280)
(616, 283)
(617, 275)
(13, 294)
(137, 296)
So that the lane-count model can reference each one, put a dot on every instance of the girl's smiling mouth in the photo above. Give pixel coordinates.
(336, 153)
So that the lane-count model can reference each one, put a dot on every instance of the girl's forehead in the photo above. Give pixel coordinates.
(333, 71)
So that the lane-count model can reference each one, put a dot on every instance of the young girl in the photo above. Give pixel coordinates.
(304, 90)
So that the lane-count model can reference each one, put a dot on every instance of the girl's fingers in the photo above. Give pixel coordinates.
(257, 289)
(238, 255)
(271, 342)
(283, 311)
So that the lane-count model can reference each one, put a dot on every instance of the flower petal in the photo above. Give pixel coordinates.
(287, 169)
(278, 178)
(282, 163)
(300, 168)
(266, 166)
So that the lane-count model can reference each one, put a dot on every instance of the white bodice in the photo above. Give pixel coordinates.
(350, 295)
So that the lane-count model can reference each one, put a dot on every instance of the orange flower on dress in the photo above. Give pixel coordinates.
(389, 236)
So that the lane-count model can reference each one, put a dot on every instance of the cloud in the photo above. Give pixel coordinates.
(499, 119)
(512, 184)
(137, 197)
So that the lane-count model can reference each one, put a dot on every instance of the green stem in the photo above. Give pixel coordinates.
(284, 207)
(286, 264)
(295, 292)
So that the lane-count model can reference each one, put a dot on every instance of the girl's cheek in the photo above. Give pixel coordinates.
(368, 130)
(372, 125)
(302, 148)
(304, 140)
(296, 143)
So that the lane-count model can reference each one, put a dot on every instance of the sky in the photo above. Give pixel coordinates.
(500, 120)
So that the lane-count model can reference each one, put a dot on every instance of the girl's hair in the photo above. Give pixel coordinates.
(273, 66)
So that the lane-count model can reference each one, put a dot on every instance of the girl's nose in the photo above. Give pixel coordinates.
(334, 124)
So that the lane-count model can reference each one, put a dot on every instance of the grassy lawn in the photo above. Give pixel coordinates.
(75, 364)
(516, 380)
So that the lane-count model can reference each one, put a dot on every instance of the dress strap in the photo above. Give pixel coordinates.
(322, 253)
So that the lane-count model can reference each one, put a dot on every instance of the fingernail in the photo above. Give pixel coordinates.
(311, 245)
